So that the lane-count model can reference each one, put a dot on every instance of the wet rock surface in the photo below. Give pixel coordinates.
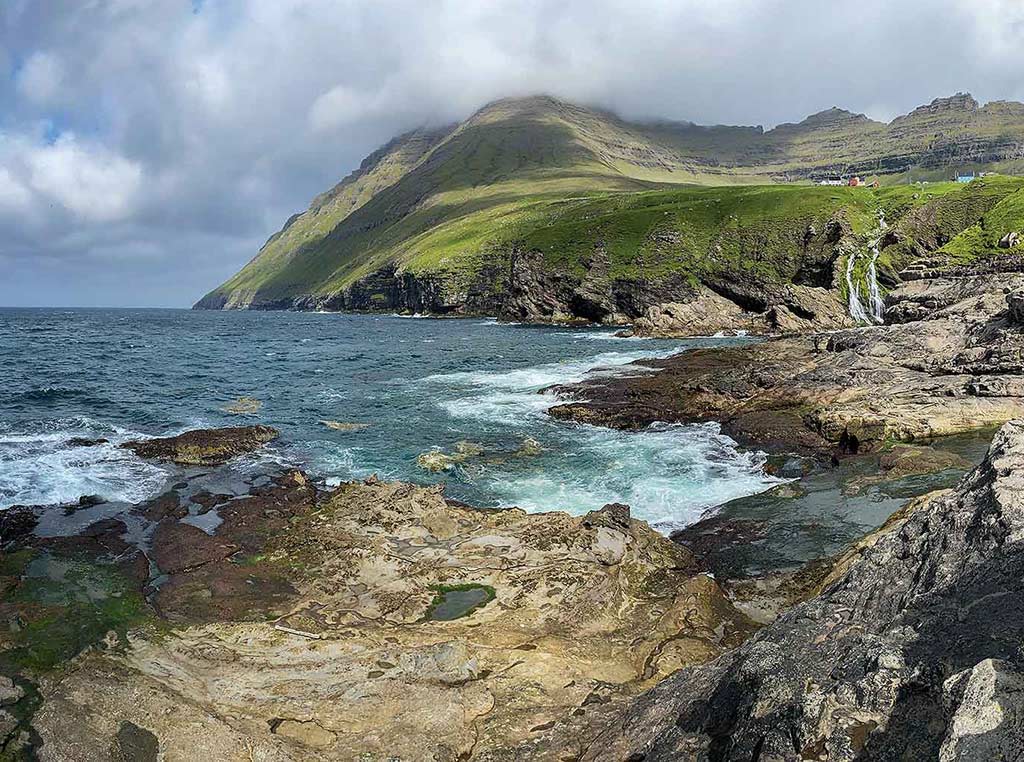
(912, 650)
(954, 368)
(298, 625)
(204, 447)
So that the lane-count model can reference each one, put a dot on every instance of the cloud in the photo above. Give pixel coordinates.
(188, 132)
(14, 197)
(337, 107)
(40, 79)
(93, 183)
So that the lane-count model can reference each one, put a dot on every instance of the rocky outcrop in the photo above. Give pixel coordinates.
(956, 368)
(303, 624)
(911, 652)
(798, 309)
(204, 447)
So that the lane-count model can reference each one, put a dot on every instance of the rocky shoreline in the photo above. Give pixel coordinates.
(948, 362)
(301, 622)
(274, 618)
(382, 620)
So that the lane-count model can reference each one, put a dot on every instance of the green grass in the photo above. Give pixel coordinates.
(982, 238)
(963, 223)
(541, 174)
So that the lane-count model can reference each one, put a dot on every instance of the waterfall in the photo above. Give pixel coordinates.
(875, 301)
(874, 295)
(856, 308)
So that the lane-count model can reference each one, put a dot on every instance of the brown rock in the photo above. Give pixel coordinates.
(586, 612)
(204, 447)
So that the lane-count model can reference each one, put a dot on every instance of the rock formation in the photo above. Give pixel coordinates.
(955, 367)
(204, 447)
(911, 652)
(299, 625)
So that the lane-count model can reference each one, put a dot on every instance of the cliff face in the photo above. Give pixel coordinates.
(435, 220)
(912, 652)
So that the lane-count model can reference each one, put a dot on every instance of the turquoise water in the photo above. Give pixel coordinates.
(414, 385)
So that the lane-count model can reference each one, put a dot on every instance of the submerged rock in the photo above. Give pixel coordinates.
(204, 447)
(86, 442)
(530, 447)
(244, 406)
(436, 461)
(345, 426)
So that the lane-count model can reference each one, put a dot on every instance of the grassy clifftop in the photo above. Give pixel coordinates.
(565, 182)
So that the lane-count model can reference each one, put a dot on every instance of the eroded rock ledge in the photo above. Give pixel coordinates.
(300, 626)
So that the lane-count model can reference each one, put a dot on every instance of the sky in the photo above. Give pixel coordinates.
(149, 147)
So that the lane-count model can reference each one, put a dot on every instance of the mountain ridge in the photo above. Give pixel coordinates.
(424, 220)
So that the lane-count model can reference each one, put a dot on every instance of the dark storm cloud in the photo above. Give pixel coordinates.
(147, 147)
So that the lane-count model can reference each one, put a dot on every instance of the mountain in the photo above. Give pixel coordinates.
(534, 208)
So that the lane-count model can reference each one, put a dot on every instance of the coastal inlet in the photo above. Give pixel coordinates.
(353, 395)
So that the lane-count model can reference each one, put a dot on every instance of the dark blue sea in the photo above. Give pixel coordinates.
(410, 386)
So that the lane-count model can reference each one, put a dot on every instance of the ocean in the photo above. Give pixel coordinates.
(390, 389)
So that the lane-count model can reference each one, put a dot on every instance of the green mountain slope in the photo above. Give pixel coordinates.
(532, 202)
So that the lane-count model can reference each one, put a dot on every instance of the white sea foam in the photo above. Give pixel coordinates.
(538, 376)
(603, 336)
(668, 474)
(41, 468)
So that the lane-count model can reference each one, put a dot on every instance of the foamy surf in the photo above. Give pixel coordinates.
(419, 384)
(42, 468)
(668, 474)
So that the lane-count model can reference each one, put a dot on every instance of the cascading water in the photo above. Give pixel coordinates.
(857, 311)
(874, 294)
(875, 301)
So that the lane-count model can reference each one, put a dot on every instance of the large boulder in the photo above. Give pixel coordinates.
(204, 447)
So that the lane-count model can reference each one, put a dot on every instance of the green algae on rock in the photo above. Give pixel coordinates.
(204, 447)
(455, 601)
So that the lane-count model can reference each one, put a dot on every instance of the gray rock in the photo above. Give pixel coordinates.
(911, 651)
(988, 718)
(1009, 240)
(10, 692)
(8, 726)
